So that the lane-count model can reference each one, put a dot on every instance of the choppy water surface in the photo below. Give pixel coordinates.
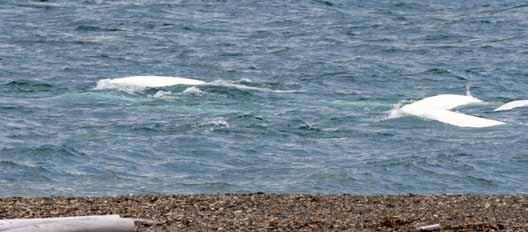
(299, 102)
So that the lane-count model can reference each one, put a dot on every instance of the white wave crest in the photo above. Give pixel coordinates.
(163, 95)
(193, 90)
(245, 87)
(214, 124)
(218, 122)
(395, 112)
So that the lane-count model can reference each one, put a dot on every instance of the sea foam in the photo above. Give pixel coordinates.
(193, 90)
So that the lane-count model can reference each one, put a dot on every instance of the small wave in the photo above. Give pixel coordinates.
(193, 90)
(218, 123)
(214, 124)
(18, 171)
(10, 164)
(96, 39)
(163, 95)
(236, 85)
(40, 5)
(42, 153)
(438, 71)
(250, 116)
(28, 86)
(395, 112)
(170, 95)
(88, 99)
(324, 3)
(96, 28)
(207, 187)
(247, 80)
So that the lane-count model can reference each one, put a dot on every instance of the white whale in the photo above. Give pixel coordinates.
(141, 82)
(438, 108)
(442, 102)
(513, 105)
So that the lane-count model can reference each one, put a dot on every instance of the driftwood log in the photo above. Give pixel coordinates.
(104, 223)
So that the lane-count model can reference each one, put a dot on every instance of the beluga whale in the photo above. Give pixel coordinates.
(142, 82)
(512, 105)
(439, 108)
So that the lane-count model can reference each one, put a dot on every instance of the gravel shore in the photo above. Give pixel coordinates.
(269, 212)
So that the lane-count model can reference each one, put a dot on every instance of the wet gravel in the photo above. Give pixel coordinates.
(269, 212)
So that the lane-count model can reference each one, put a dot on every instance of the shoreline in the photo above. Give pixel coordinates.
(289, 212)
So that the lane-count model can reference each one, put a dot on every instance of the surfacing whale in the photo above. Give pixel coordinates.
(141, 82)
(442, 102)
(512, 105)
(438, 108)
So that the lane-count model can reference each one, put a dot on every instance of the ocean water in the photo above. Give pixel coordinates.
(299, 97)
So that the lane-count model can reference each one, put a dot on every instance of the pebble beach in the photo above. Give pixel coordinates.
(291, 212)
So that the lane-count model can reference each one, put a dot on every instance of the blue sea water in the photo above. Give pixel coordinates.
(300, 105)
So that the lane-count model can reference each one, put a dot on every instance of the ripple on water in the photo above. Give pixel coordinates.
(16, 172)
(28, 87)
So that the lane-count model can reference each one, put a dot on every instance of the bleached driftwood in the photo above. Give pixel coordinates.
(429, 227)
(104, 223)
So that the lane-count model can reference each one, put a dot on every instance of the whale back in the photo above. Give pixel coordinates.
(438, 108)
(458, 119)
(512, 105)
(442, 102)
(140, 82)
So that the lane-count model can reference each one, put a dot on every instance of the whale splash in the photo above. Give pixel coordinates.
(512, 105)
(134, 83)
(439, 108)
